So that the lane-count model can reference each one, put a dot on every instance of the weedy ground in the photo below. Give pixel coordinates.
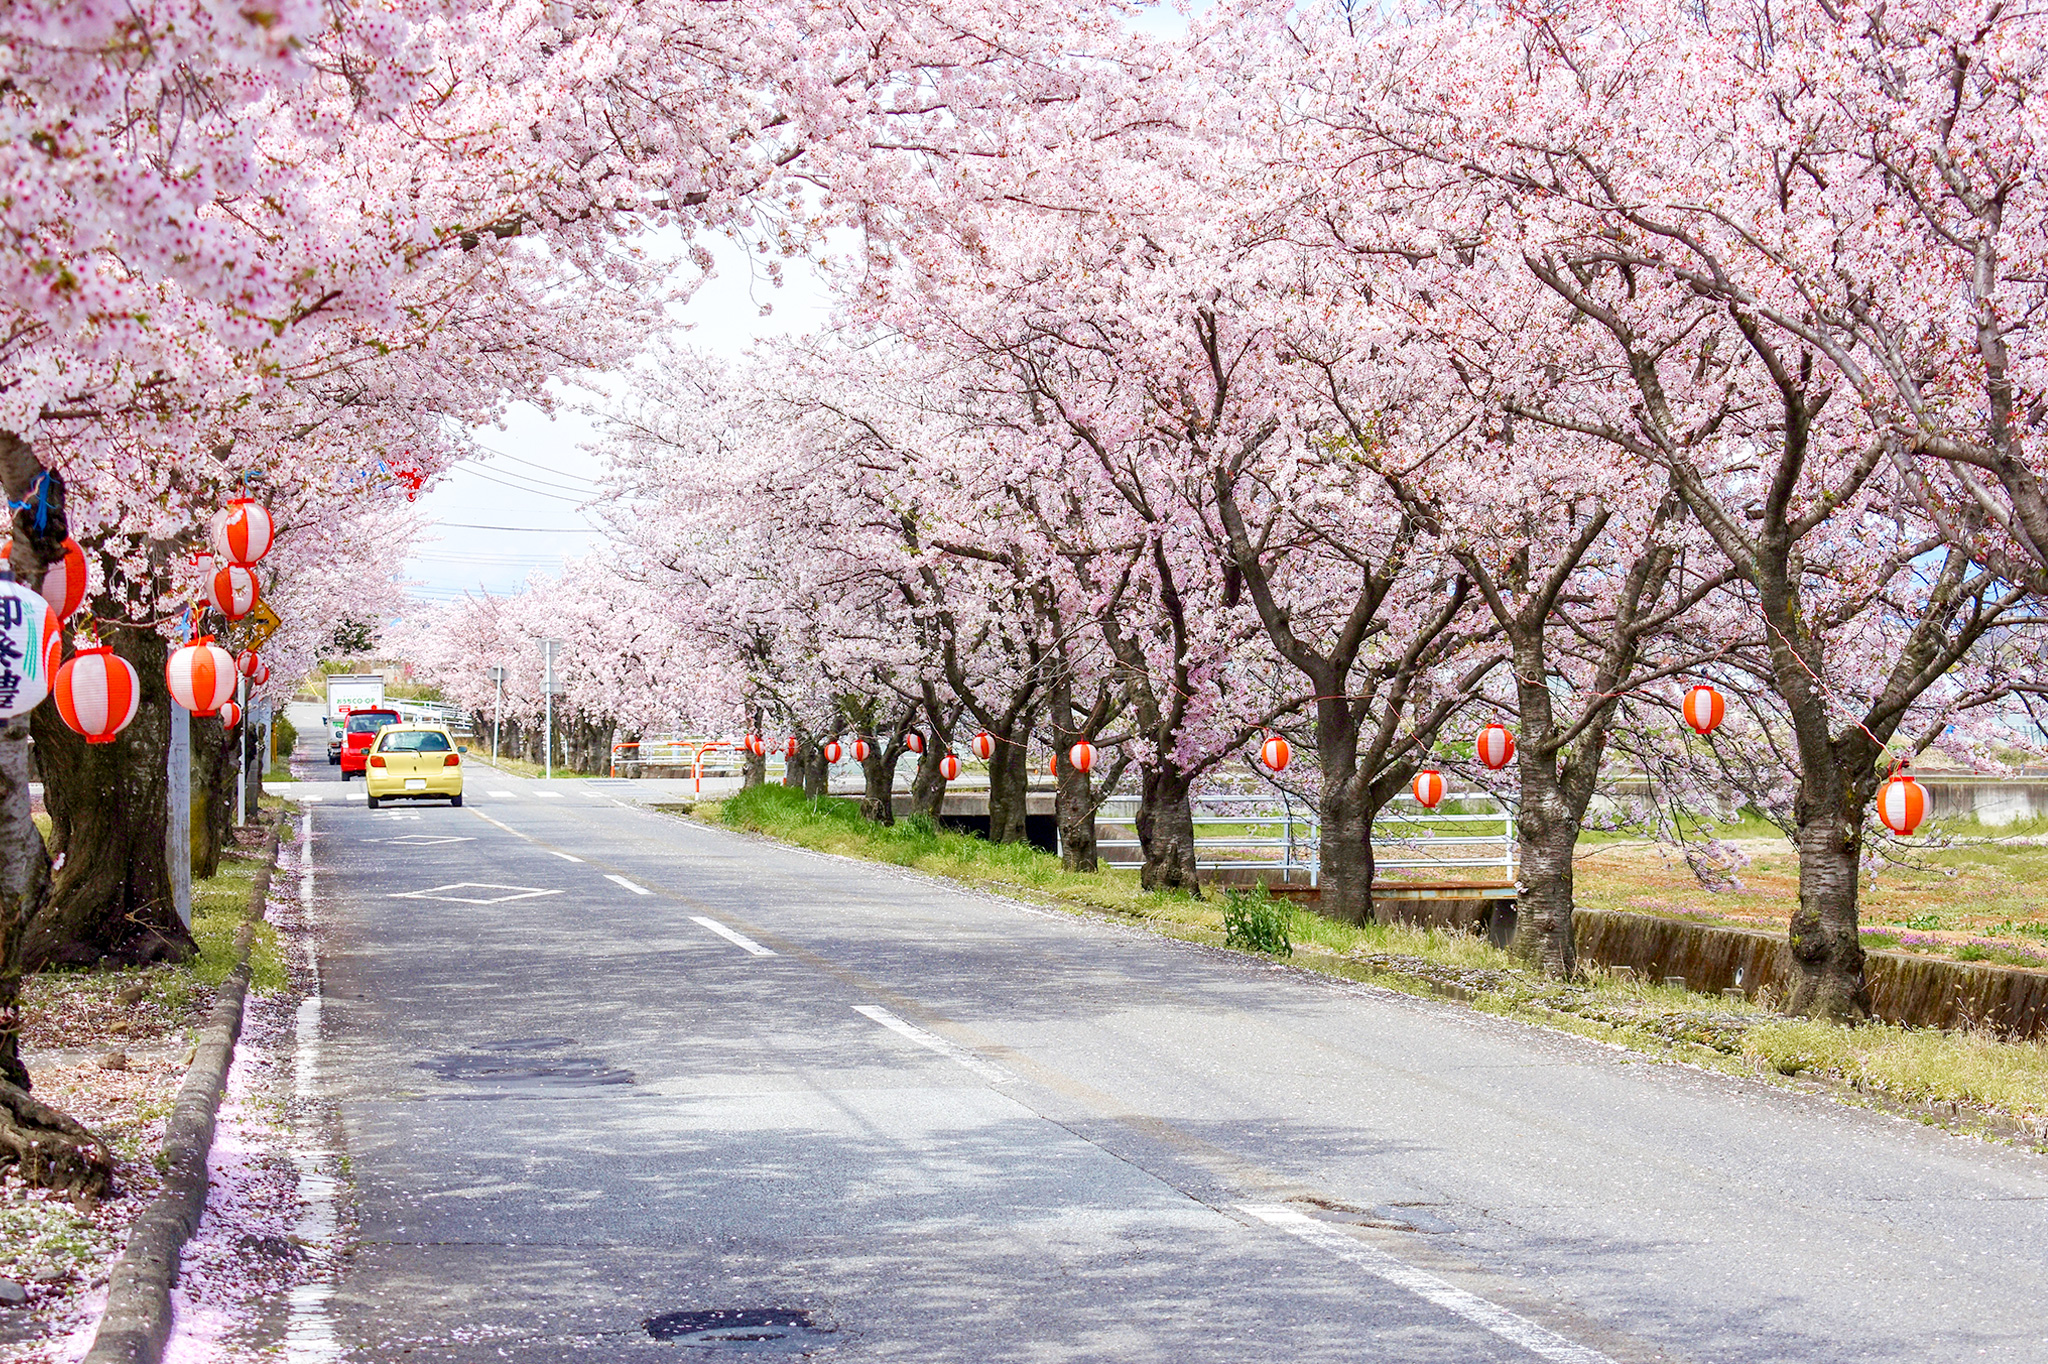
(1964, 1080)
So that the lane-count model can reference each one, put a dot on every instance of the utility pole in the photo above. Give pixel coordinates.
(497, 676)
(548, 647)
(242, 753)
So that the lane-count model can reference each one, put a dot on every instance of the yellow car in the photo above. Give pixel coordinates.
(414, 762)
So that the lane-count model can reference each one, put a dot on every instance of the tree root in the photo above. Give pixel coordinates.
(52, 1151)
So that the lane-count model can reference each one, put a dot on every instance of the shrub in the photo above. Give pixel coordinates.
(1253, 920)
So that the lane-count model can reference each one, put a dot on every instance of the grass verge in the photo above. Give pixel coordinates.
(1966, 1081)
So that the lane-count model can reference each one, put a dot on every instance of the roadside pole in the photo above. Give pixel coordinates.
(242, 753)
(497, 676)
(548, 647)
(178, 828)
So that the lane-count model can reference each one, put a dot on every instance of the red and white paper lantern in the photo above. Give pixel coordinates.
(789, 750)
(833, 752)
(861, 750)
(201, 676)
(1496, 746)
(248, 663)
(1902, 804)
(33, 645)
(1082, 756)
(97, 692)
(913, 742)
(949, 767)
(63, 581)
(1704, 708)
(232, 590)
(230, 715)
(1276, 753)
(1429, 788)
(241, 532)
(984, 745)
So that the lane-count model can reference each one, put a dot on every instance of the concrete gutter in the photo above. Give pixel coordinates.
(137, 1321)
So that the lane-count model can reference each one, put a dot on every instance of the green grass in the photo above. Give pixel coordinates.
(218, 904)
(2002, 1086)
(518, 767)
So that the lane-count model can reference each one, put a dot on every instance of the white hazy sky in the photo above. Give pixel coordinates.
(516, 511)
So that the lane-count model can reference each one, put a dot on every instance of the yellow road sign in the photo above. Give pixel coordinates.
(255, 629)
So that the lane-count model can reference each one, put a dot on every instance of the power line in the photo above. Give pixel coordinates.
(564, 473)
(536, 530)
(522, 488)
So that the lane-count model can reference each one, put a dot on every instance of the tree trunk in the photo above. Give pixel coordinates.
(1546, 832)
(213, 794)
(1009, 781)
(1166, 831)
(928, 786)
(1074, 806)
(1347, 861)
(754, 771)
(878, 779)
(817, 772)
(108, 807)
(1827, 950)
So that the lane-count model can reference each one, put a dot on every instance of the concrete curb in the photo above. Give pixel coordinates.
(137, 1322)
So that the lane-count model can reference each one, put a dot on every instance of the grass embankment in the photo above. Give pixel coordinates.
(518, 767)
(1960, 889)
(1959, 1079)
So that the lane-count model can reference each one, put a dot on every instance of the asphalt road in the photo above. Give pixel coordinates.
(594, 1067)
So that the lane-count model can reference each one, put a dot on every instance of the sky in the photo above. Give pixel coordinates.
(492, 523)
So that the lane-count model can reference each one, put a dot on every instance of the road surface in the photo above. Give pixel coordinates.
(613, 1086)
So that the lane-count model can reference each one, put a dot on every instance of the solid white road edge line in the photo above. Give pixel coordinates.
(1509, 1326)
(958, 1055)
(618, 880)
(732, 936)
(309, 1331)
(564, 856)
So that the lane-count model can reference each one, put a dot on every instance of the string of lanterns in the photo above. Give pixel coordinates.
(1901, 802)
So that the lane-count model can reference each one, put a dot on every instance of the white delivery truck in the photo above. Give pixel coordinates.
(347, 692)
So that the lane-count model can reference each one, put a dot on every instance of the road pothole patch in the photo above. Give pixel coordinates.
(788, 1332)
(523, 1064)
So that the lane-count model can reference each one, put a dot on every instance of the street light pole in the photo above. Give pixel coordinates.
(497, 676)
(548, 647)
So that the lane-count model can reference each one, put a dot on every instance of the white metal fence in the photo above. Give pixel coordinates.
(1248, 834)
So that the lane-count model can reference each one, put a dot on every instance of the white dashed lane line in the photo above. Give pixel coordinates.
(732, 936)
(960, 1055)
(616, 879)
(504, 795)
(564, 856)
(549, 795)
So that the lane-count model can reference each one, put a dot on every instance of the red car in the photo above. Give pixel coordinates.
(358, 731)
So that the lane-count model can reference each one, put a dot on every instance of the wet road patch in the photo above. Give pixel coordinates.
(526, 1064)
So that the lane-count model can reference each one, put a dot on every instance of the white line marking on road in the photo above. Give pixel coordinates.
(1509, 1326)
(564, 856)
(506, 827)
(620, 880)
(504, 795)
(549, 795)
(957, 1054)
(733, 936)
(309, 1331)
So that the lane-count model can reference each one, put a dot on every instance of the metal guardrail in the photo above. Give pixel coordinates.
(1422, 841)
